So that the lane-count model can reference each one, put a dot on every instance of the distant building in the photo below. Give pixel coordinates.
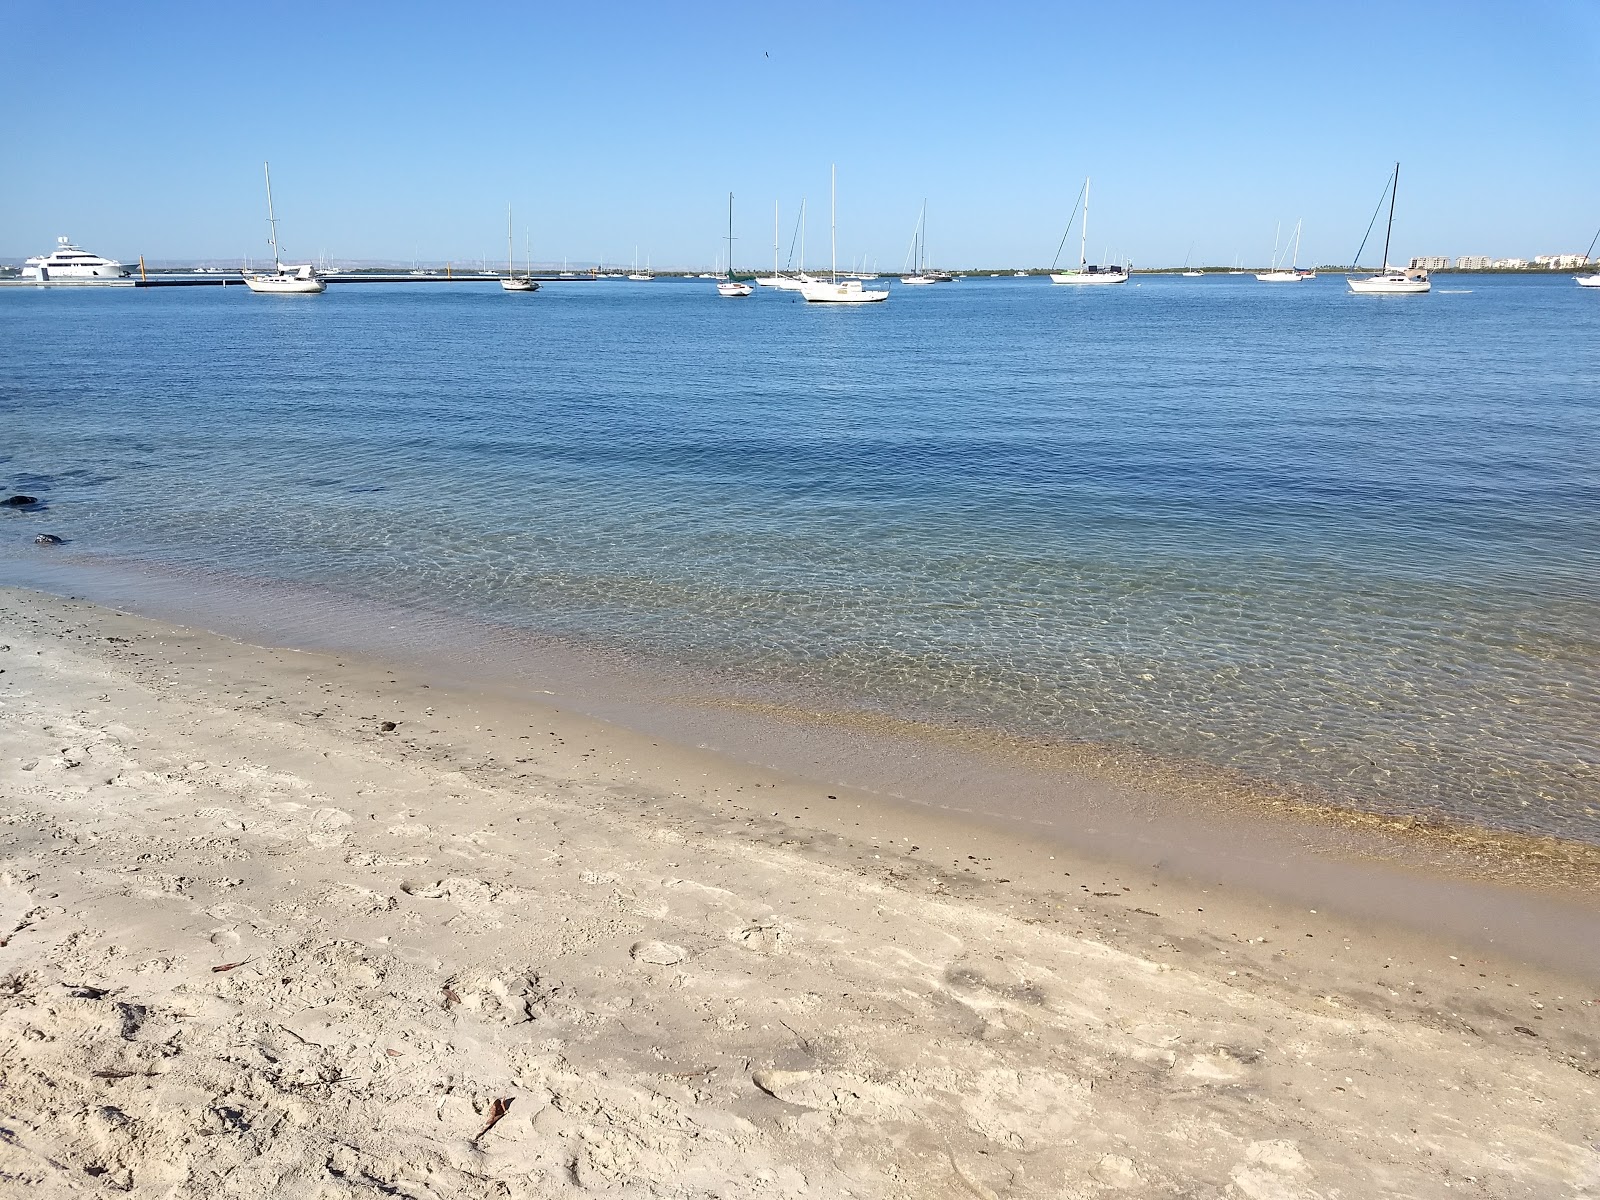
(1510, 264)
(1431, 263)
(1474, 262)
(1561, 262)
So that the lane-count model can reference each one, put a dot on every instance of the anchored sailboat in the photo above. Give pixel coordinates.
(732, 287)
(300, 281)
(1291, 273)
(849, 291)
(513, 282)
(1390, 281)
(1087, 273)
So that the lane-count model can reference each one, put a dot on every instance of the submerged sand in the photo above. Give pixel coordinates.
(276, 923)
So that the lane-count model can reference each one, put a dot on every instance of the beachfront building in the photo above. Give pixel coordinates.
(1510, 264)
(1561, 262)
(1434, 262)
(1474, 262)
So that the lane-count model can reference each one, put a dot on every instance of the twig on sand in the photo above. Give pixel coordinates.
(230, 966)
(496, 1110)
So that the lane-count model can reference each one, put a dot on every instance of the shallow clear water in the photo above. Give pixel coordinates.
(1345, 545)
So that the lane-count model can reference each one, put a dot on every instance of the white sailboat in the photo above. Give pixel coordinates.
(1589, 280)
(774, 280)
(635, 275)
(1391, 281)
(1187, 273)
(916, 255)
(283, 281)
(793, 283)
(1292, 273)
(732, 287)
(849, 291)
(514, 282)
(1087, 273)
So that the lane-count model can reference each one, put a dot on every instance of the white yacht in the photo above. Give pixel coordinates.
(1086, 272)
(1588, 280)
(284, 281)
(1391, 281)
(837, 291)
(68, 262)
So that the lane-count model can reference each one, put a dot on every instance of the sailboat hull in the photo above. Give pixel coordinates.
(1589, 281)
(285, 285)
(1283, 276)
(1086, 277)
(734, 290)
(1389, 285)
(849, 292)
(518, 285)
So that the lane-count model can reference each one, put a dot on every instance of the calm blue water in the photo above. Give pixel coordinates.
(1345, 545)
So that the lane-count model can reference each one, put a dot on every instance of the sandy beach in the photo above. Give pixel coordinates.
(281, 923)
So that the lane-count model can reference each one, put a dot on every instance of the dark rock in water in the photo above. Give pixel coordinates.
(19, 501)
(48, 539)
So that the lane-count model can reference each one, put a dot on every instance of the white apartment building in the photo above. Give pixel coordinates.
(1474, 262)
(1561, 262)
(1510, 264)
(1437, 262)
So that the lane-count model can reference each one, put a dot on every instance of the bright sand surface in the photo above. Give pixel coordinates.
(253, 942)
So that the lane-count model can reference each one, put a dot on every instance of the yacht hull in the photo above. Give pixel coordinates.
(1283, 277)
(1589, 281)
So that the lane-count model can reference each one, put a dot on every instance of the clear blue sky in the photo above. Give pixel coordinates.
(403, 128)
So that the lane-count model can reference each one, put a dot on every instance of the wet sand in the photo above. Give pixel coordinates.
(287, 922)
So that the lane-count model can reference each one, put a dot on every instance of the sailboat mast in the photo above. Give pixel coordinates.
(775, 204)
(730, 235)
(833, 221)
(1083, 249)
(1392, 190)
(510, 265)
(272, 220)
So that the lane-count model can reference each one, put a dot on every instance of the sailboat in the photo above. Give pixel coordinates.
(514, 282)
(1085, 272)
(635, 275)
(834, 292)
(1194, 274)
(732, 287)
(1292, 273)
(793, 283)
(1589, 280)
(774, 280)
(917, 254)
(302, 281)
(1391, 281)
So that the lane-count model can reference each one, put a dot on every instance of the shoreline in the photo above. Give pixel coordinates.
(235, 904)
(1186, 820)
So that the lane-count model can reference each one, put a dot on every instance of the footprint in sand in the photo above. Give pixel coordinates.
(660, 954)
(328, 827)
(763, 937)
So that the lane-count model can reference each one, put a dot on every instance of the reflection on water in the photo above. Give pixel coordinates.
(1341, 545)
